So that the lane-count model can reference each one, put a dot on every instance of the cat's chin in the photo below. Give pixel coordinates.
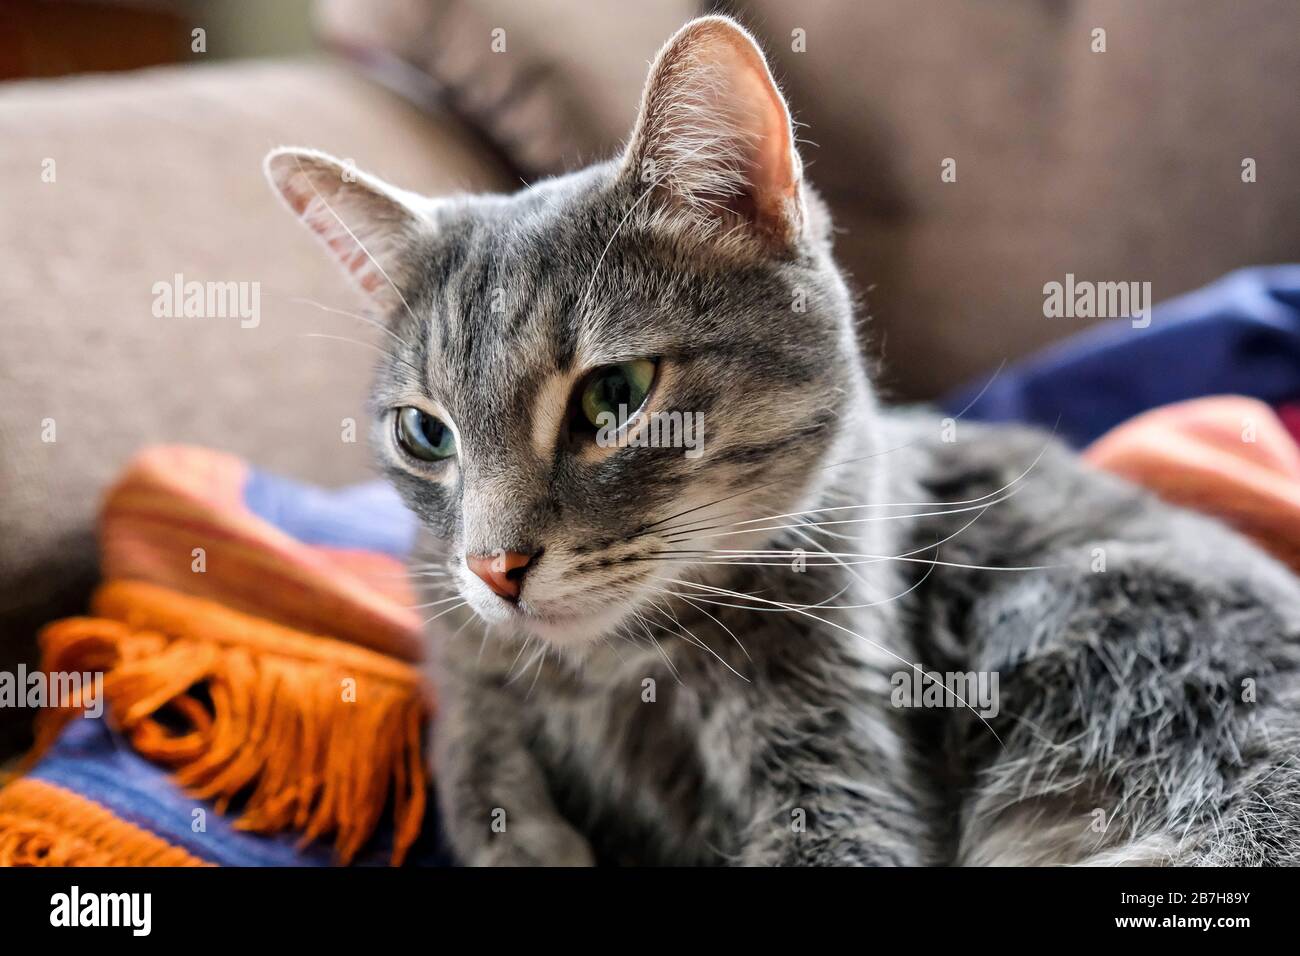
(568, 629)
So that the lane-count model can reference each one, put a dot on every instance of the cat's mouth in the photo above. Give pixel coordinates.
(552, 604)
(563, 624)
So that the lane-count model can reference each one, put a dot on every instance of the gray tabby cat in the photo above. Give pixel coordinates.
(694, 659)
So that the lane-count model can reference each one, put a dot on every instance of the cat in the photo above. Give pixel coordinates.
(648, 657)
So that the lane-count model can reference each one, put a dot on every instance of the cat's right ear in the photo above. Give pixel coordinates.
(714, 140)
(368, 226)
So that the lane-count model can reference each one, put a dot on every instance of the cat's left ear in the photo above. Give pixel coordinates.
(370, 227)
(714, 138)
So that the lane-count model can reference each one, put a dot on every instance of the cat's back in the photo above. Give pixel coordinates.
(1010, 496)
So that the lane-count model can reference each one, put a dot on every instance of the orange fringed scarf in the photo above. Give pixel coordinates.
(312, 734)
(280, 680)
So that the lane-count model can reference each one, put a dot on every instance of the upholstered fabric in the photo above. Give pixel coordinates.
(155, 174)
(554, 83)
(1117, 166)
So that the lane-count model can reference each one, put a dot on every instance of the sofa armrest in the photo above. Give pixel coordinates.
(113, 184)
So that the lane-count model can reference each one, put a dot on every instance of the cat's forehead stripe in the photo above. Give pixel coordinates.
(492, 306)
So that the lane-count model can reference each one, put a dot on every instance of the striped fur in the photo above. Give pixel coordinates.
(650, 700)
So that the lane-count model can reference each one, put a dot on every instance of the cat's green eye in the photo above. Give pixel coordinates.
(423, 436)
(617, 390)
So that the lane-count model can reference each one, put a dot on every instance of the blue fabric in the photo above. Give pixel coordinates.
(365, 517)
(1239, 335)
(93, 761)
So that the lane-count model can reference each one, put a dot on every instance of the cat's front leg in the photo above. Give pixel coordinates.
(492, 794)
(837, 828)
(834, 798)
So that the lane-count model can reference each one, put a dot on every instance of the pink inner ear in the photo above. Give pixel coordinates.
(346, 250)
(772, 174)
(297, 200)
(295, 184)
(362, 225)
(354, 259)
(716, 121)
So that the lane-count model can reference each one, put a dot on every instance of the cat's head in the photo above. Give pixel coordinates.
(690, 281)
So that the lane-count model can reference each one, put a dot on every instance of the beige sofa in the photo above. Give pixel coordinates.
(1117, 165)
(158, 173)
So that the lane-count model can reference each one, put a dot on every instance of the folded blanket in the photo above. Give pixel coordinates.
(1237, 336)
(257, 641)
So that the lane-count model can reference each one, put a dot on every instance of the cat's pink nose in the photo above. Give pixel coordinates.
(502, 571)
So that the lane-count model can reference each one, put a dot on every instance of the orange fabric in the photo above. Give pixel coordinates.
(314, 734)
(42, 824)
(1226, 456)
(173, 500)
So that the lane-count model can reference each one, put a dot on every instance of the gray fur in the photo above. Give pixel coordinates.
(771, 738)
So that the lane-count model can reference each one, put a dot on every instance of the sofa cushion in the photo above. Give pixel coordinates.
(153, 175)
(1123, 165)
(554, 83)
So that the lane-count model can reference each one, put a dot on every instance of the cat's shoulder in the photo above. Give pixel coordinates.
(949, 454)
